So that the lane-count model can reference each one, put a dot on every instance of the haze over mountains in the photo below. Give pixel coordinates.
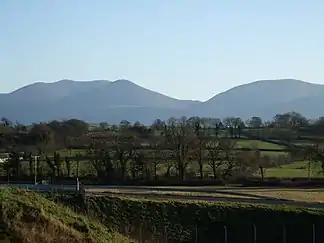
(101, 100)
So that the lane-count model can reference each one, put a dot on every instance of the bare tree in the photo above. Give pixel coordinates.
(214, 151)
(68, 166)
(199, 145)
(6, 122)
(137, 167)
(228, 157)
(169, 164)
(180, 136)
(124, 145)
(57, 164)
(51, 165)
(101, 160)
(258, 161)
(159, 154)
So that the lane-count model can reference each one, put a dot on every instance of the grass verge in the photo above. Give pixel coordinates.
(28, 217)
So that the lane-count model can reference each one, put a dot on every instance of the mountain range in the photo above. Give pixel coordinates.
(102, 100)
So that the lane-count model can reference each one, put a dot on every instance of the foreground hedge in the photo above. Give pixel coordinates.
(204, 222)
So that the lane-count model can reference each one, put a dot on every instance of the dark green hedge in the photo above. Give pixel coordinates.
(204, 222)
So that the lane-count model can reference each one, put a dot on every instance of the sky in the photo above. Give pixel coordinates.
(187, 49)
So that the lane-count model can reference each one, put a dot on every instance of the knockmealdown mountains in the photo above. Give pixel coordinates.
(101, 100)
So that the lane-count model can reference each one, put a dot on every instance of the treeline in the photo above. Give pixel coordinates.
(176, 149)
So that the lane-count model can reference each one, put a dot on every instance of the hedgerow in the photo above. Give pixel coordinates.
(177, 221)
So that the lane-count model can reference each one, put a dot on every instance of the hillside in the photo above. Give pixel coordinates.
(93, 101)
(96, 101)
(264, 98)
(123, 93)
(30, 218)
(308, 106)
(47, 92)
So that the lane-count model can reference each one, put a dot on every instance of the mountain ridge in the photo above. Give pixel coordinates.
(121, 80)
(104, 100)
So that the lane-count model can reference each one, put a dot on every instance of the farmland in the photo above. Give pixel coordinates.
(175, 151)
(176, 165)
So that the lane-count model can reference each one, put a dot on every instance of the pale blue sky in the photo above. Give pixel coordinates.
(188, 49)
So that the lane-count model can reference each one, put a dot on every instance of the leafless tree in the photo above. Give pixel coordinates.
(229, 154)
(214, 151)
(179, 135)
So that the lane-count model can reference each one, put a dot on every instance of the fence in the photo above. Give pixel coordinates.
(312, 235)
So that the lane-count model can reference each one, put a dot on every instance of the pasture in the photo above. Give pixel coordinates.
(298, 169)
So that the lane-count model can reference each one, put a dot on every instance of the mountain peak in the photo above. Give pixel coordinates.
(123, 81)
(65, 81)
(272, 82)
(256, 98)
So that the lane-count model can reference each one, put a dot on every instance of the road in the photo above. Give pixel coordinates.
(170, 193)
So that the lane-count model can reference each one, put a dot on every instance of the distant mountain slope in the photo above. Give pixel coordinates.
(101, 100)
(119, 100)
(311, 107)
(93, 101)
(47, 92)
(123, 93)
(254, 99)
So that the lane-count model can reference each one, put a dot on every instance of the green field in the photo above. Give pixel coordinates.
(244, 143)
(295, 169)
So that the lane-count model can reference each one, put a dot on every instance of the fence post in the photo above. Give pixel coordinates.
(314, 234)
(77, 185)
(141, 240)
(165, 234)
(225, 234)
(255, 233)
(284, 233)
(196, 233)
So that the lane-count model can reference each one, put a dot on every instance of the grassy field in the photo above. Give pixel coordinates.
(257, 144)
(295, 169)
(30, 218)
